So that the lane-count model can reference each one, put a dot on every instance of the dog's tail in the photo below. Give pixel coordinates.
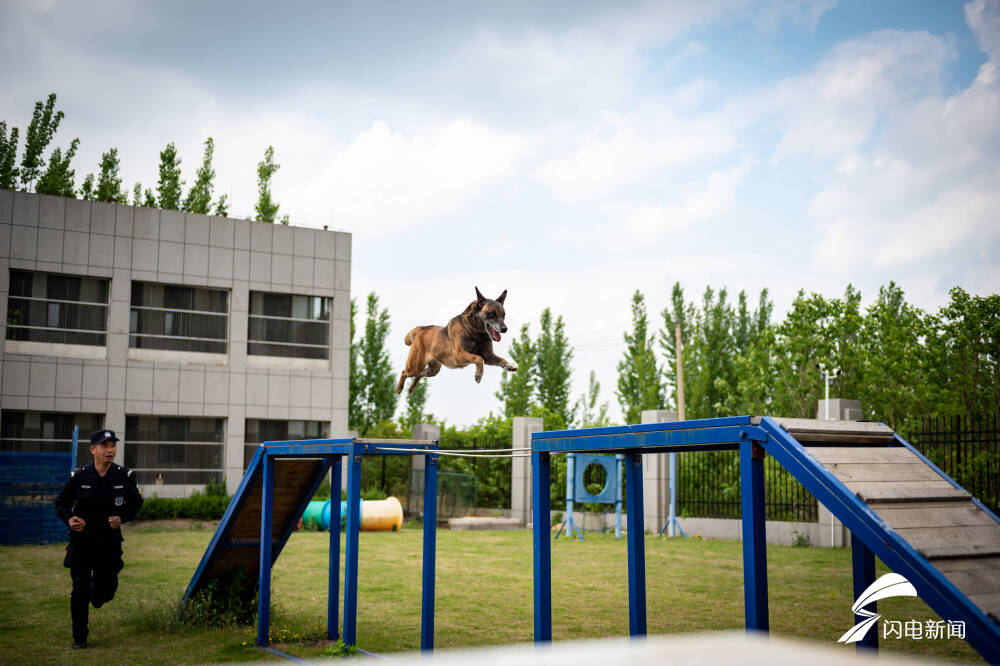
(409, 336)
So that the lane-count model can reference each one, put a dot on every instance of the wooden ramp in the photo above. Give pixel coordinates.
(913, 498)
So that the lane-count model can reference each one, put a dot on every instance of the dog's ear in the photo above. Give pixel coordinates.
(501, 297)
(479, 295)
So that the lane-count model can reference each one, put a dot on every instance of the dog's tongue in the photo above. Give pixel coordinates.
(494, 333)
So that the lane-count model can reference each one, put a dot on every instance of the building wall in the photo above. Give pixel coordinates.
(124, 243)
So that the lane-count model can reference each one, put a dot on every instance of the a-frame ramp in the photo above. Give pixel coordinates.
(236, 544)
(906, 511)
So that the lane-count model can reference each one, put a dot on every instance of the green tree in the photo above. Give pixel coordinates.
(267, 207)
(356, 387)
(416, 401)
(44, 123)
(640, 385)
(170, 185)
(149, 199)
(589, 413)
(199, 198)
(137, 194)
(378, 395)
(58, 179)
(109, 181)
(8, 157)
(87, 189)
(517, 389)
(677, 313)
(801, 343)
(222, 205)
(553, 356)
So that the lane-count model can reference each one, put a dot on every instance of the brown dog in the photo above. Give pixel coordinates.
(468, 338)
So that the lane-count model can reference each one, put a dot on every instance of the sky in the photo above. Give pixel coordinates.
(568, 152)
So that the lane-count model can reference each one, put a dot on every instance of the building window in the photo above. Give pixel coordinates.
(47, 432)
(260, 430)
(289, 325)
(44, 307)
(162, 449)
(192, 319)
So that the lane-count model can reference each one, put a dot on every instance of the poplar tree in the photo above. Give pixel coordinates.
(169, 185)
(640, 386)
(8, 157)
(137, 194)
(222, 205)
(517, 389)
(58, 179)
(267, 208)
(44, 123)
(552, 360)
(377, 380)
(416, 401)
(199, 198)
(87, 189)
(589, 413)
(109, 181)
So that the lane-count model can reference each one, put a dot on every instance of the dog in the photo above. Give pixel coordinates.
(468, 338)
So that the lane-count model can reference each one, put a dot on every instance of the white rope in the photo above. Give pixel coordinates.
(439, 452)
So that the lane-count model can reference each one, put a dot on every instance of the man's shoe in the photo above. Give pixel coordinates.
(80, 645)
(96, 603)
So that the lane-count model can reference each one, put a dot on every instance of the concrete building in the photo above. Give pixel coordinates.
(195, 337)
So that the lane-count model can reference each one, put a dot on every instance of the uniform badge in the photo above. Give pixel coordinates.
(119, 500)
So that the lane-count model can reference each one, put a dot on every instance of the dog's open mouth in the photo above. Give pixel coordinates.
(493, 331)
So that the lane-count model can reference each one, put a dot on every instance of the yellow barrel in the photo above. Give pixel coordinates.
(384, 514)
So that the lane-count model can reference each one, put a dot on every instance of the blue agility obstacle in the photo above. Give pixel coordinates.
(576, 489)
(279, 482)
(865, 474)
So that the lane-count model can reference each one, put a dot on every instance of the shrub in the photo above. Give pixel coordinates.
(201, 506)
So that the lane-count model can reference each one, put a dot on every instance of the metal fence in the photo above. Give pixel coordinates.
(492, 474)
(966, 448)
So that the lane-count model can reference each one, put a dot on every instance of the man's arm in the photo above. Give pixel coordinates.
(64, 502)
(133, 498)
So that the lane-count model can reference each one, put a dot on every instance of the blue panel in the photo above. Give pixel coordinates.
(609, 493)
(264, 574)
(644, 427)
(430, 551)
(541, 480)
(29, 485)
(352, 533)
(636, 546)
(333, 587)
(648, 439)
(754, 544)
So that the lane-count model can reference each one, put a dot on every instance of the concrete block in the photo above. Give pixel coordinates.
(220, 232)
(102, 218)
(78, 214)
(326, 245)
(139, 383)
(41, 403)
(192, 384)
(261, 234)
(340, 362)
(241, 234)
(138, 407)
(256, 388)
(342, 275)
(172, 226)
(71, 405)
(92, 406)
(16, 376)
(241, 265)
(191, 408)
(238, 389)
(238, 328)
(239, 298)
(95, 382)
(260, 267)
(50, 247)
(6, 206)
(278, 386)
(338, 421)
(145, 255)
(300, 413)
(146, 223)
(52, 211)
(343, 246)
(299, 390)
(341, 334)
(121, 289)
(116, 382)
(102, 251)
(123, 220)
(216, 387)
(305, 242)
(341, 306)
(123, 252)
(340, 391)
(302, 272)
(196, 228)
(5, 229)
(195, 259)
(42, 381)
(278, 412)
(321, 392)
(281, 269)
(282, 239)
(117, 345)
(24, 243)
(220, 262)
(26, 209)
(171, 257)
(323, 273)
(69, 379)
(166, 384)
(76, 249)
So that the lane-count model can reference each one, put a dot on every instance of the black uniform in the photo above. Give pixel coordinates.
(94, 555)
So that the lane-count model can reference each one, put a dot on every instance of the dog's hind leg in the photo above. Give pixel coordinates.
(402, 380)
(433, 367)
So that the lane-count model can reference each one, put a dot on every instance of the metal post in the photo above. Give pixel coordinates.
(619, 459)
(353, 530)
(754, 545)
(430, 546)
(541, 478)
(76, 445)
(333, 597)
(636, 546)
(863, 561)
(264, 573)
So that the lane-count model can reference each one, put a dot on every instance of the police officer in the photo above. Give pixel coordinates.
(94, 503)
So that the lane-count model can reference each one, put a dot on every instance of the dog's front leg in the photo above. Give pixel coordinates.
(492, 359)
(465, 358)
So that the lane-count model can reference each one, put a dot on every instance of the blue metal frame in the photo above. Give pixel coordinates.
(333, 586)
(430, 551)
(873, 537)
(863, 565)
(264, 575)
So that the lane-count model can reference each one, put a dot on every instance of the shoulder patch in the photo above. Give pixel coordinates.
(131, 473)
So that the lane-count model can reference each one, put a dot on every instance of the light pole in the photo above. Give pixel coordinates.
(828, 377)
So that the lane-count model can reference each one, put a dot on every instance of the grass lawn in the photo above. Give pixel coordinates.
(484, 596)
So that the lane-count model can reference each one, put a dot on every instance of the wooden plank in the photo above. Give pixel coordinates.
(884, 472)
(931, 514)
(793, 425)
(829, 455)
(989, 603)
(989, 564)
(904, 491)
(975, 581)
(942, 542)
